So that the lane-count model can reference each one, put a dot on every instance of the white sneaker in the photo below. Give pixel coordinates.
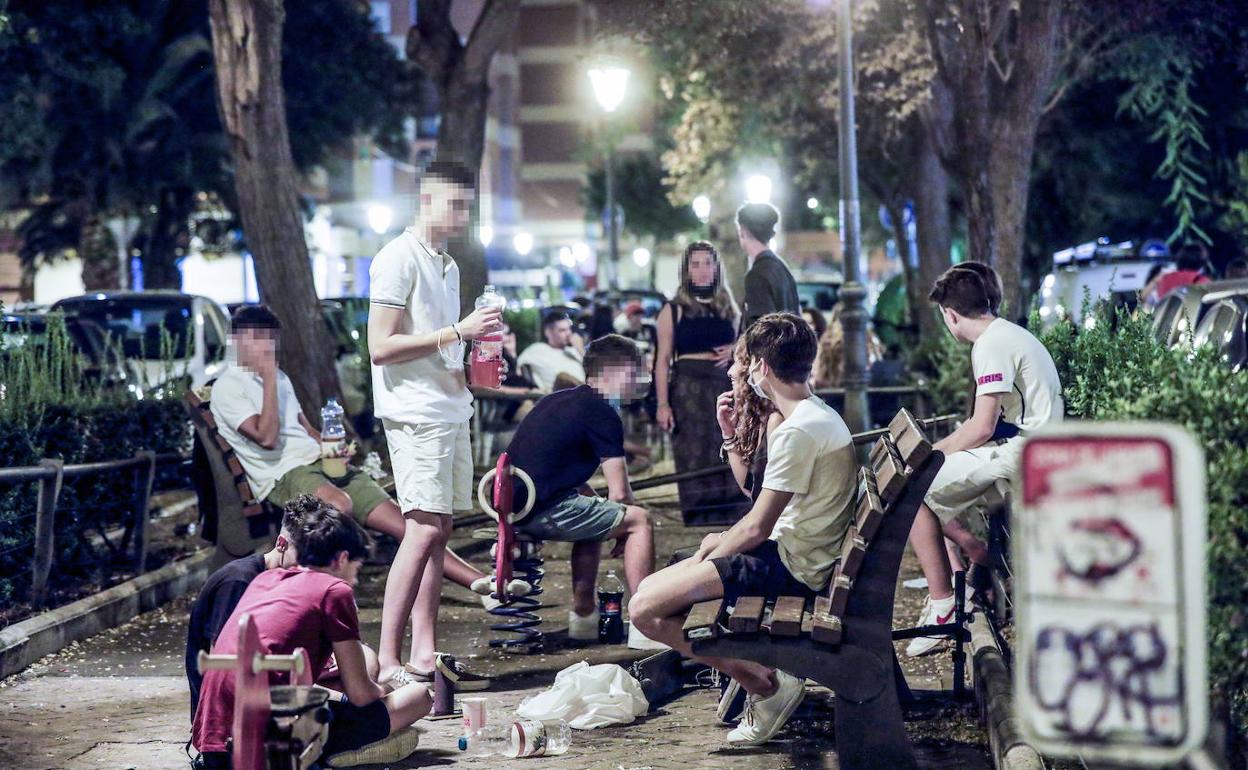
(639, 641)
(485, 586)
(583, 628)
(936, 612)
(489, 602)
(763, 717)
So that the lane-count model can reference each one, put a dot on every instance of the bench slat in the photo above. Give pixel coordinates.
(254, 509)
(703, 620)
(838, 595)
(853, 552)
(870, 507)
(825, 627)
(889, 476)
(787, 616)
(236, 468)
(746, 615)
(910, 439)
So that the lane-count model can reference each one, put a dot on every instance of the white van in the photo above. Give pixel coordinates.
(136, 322)
(1103, 271)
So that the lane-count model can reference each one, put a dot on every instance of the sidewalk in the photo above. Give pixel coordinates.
(118, 700)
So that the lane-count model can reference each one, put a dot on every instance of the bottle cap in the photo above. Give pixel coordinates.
(463, 743)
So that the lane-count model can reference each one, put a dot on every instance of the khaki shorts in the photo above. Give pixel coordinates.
(971, 480)
(365, 493)
(432, 465)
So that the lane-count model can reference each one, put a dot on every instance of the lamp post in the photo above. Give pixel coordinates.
(609, 82)
(853, 314)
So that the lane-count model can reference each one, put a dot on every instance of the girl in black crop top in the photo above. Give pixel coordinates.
(696, 332)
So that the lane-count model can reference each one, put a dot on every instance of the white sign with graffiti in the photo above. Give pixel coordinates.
(1109, 549)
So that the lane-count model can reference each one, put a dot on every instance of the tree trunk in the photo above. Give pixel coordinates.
(461, 138)
(1010, 156)
(168, 232)
(247, 47)
(97, 249)
(931, 204)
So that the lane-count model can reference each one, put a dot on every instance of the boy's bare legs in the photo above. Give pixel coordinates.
(663, 600)
(387, 518)
(928, 541)
(425, 609)
(634, 537)
(407, 705)
(585, 557)
(972, 546)
(424, 540)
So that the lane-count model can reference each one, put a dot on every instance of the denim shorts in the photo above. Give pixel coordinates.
(574, 518)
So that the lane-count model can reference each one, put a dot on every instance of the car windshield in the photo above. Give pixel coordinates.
(821, 296)
(138, 324)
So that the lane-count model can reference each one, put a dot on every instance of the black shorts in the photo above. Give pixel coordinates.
(758, 572)
(352, 727)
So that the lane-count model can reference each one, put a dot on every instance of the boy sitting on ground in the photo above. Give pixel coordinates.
(312, 606)
(560, 444)
(788, 542)
(1017, 391)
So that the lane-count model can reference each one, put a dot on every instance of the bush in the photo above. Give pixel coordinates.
(1116, 371)
(49, 410)
(942, 368)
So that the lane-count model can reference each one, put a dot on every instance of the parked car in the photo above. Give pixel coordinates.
(1181, 311)
(819, 295)
(1101, 271)
(1224, 325)
(137, 322)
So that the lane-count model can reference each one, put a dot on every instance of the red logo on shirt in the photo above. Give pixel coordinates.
(987, 378)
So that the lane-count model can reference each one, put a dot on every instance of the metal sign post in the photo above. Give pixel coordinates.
(1110, 600)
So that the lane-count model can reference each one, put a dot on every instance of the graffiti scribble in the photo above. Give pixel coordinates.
(1098, 548)
(1089, 673)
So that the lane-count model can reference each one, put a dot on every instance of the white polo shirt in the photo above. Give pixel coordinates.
(424, 283)
(547, 363)
(1008, 359)
(237, 395)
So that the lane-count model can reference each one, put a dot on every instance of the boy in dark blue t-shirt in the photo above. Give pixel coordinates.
(560, 445)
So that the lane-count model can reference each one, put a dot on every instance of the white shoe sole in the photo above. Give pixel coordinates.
(787, 712)
(925, 645)
(397, 746)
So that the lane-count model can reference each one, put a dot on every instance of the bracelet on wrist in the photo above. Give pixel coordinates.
(459, 337)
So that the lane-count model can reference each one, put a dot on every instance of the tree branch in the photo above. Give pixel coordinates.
(432, 42)
(497, 19)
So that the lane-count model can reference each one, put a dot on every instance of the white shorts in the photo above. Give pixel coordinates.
(972, 479)
(432, 466)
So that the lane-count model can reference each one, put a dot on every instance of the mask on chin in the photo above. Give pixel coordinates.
(755, 386)
(702, 292)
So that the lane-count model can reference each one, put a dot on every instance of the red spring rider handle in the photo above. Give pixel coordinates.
(504, 503)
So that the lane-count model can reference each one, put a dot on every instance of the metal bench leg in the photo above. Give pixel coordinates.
(520, 614)
(872, 735)
(961, 618)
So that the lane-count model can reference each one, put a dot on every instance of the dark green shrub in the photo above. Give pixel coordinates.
(48, 410)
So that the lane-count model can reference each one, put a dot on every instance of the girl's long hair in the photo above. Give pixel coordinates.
(752, 411)
(722, 303)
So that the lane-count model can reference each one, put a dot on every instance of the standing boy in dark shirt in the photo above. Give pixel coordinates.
(560, 445)
(769, 286)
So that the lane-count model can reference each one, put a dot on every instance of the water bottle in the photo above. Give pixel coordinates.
(526, 738)
(610, 609)
(486, 364)
(333, 440)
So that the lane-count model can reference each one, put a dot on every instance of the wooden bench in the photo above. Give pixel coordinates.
(844, 639)
(230, 513)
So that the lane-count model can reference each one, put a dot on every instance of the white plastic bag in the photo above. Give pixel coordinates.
(588, 696)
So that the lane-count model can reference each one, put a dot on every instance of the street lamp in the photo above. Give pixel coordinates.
(758, 188)
(379, 218)
(702, 208)
(641, 256)
(523, 242)
(812, 203)
(486, 234)
(609, 82)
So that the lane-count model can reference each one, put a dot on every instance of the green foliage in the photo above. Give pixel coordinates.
(525, 324)
(48, 409)
(643, 195)
(943, 367)
(1116, 371)
(1162, 76)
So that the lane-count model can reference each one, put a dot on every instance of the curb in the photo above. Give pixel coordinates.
(994, 693)
(21, 644)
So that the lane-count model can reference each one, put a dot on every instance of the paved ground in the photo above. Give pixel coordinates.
(118, 700)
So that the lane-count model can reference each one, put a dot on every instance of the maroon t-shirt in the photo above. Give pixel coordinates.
(1173, 280)
(292, 608)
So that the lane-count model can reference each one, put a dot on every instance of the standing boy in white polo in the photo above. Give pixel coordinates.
(416, 342)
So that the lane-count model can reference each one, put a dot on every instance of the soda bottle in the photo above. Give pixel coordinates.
(526, 738)
(610, 609)
(333, 440)
(486, 364)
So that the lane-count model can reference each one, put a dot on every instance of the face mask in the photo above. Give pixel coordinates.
(615, 402)
(756, 387)
(702, 292)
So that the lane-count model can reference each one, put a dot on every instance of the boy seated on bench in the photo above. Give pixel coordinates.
(312, 605)
(788, 542)
(258, 414)
(560, 444)
(1017, 391)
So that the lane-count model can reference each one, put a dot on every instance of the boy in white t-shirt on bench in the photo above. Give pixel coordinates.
(1017, 391)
